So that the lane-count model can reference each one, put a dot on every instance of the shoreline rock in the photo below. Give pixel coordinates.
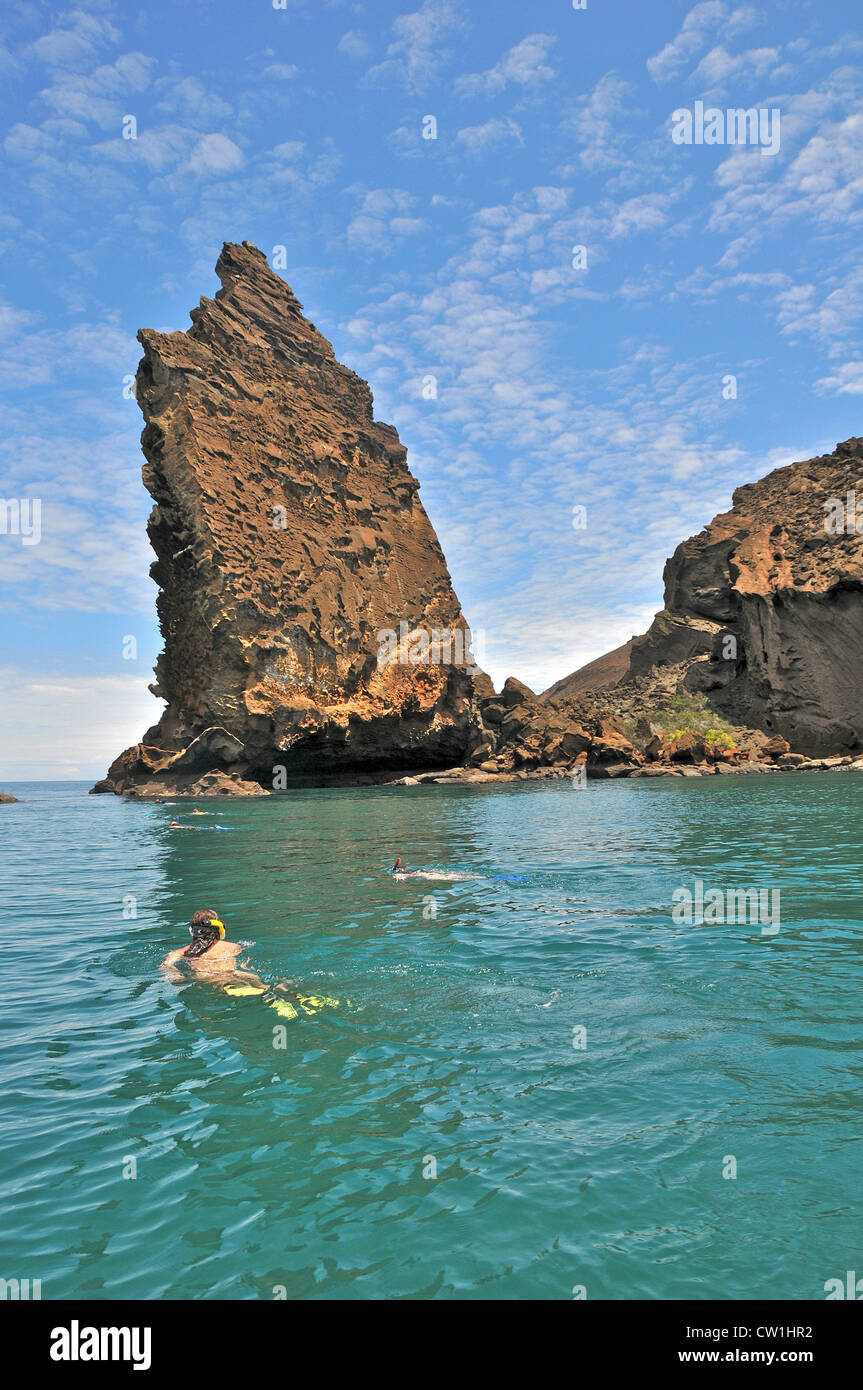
(461, 776)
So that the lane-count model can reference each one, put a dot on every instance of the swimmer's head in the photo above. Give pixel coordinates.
(397, 865)
(205, 928)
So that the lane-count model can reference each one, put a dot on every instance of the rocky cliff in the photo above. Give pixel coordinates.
(764, 608)
(309, 620)
(312, 632)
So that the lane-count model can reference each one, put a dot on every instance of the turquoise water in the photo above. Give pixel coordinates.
(302, 1169)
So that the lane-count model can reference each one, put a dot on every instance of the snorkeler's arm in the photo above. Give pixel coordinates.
(169, 969)
(239, 972)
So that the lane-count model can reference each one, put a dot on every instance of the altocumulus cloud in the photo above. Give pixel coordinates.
(216, 154)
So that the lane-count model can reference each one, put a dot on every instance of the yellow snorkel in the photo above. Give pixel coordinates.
(214, 922)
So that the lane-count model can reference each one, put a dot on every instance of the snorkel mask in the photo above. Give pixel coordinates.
(213, 922)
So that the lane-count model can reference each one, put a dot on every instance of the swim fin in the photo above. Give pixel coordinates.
(283, 1008)
(311, 1003)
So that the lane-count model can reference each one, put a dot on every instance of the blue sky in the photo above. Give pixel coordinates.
(558, 385)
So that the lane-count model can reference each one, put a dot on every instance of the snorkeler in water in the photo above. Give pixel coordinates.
(400, 870)
(209, 954)
(210, 957)
(176, 823)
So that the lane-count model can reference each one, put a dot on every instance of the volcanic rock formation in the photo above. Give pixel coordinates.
(312, 632)
(308, 615)
(764, 609)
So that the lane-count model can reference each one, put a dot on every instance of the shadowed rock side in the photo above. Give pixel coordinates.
(764, 612)
(289, 535)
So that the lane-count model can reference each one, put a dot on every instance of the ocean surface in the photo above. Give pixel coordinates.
(536, 1081)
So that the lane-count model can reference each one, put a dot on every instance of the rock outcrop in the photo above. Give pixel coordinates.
(311, 628)
(764, 610)
(309, 620)
(6, 799)
(770, 597)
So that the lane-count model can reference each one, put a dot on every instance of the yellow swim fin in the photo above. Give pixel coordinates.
(240, 991)
(313, 1002)
(283, 1008)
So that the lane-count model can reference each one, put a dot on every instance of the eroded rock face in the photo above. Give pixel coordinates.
(768, 599)
(289, 537)
(763, 615)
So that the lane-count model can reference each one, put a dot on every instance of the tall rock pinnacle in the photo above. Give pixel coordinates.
(290, 541)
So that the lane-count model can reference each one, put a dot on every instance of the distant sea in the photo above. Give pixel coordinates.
(536, 1081)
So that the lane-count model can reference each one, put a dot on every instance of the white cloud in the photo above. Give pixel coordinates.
(12, 321)
(59, 727)
(847, 381)
(525, 65)
(103, 96)
(821, 184)
(832, 317)
(602, 125)
(354, 44)
(500, 130)
(49, 355)
(384, 216)
(718, 67)
(709, 18)
(76, 39)
(646, 213)
(216, 154)
(698, 24)
(420, 47)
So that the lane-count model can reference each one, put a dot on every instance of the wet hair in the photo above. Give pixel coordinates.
(203, 933)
